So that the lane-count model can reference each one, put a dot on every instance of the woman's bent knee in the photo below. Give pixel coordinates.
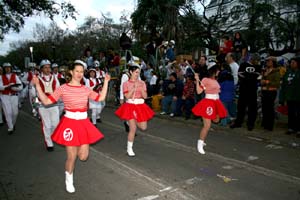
(83, 157)
(143, 128)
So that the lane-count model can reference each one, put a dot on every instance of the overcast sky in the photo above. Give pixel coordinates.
(84, 7)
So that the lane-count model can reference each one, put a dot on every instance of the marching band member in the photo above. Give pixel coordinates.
(62, 75)
(49, 114)
(210, 108)
(56, 71)
(10, 85)
(135, 111)
(99, 73)
(95, 84)
(75, 131)
(124, 78)
(27, 78)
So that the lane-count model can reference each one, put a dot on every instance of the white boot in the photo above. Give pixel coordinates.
(200, 146)
(129, 149)
(69, 183)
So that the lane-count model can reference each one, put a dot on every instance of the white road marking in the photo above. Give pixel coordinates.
(166, 189)
(149, 197)
(220, 158)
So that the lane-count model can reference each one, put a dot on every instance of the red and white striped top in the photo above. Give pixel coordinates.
(129, 86)
(212, 86)
(75, 98)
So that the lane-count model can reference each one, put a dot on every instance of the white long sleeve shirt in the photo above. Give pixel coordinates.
(234, 71)
(18, 81)
(124, 78)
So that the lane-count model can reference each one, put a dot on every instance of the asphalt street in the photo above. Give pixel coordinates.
(238, 164)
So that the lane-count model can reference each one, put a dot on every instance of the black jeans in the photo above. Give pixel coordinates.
(268, 111)
(294, 115)
(247, 101)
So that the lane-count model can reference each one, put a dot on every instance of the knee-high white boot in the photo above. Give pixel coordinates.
(129, 149)
(69, 182)
(200, 146)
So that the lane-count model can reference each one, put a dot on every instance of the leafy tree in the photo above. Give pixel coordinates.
(265, 24)
(204, 29)
(157, 15)
(286, 24)
(13, 12)
(256, 24)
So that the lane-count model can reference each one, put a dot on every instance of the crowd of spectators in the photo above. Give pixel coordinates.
(251, 87)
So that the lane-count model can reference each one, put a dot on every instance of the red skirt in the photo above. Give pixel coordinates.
(139, 112)
(209, 109)
(71, 132)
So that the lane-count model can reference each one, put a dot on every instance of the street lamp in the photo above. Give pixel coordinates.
(31, 53)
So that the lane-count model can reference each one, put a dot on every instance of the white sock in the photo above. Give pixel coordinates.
(200, 146)
(69, 182)
(129, 149)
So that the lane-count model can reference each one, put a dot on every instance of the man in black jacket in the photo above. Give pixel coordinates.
(248, 74)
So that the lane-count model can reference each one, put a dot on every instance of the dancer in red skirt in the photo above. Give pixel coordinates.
(75, 131)
(210, 108)
(134, 110)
